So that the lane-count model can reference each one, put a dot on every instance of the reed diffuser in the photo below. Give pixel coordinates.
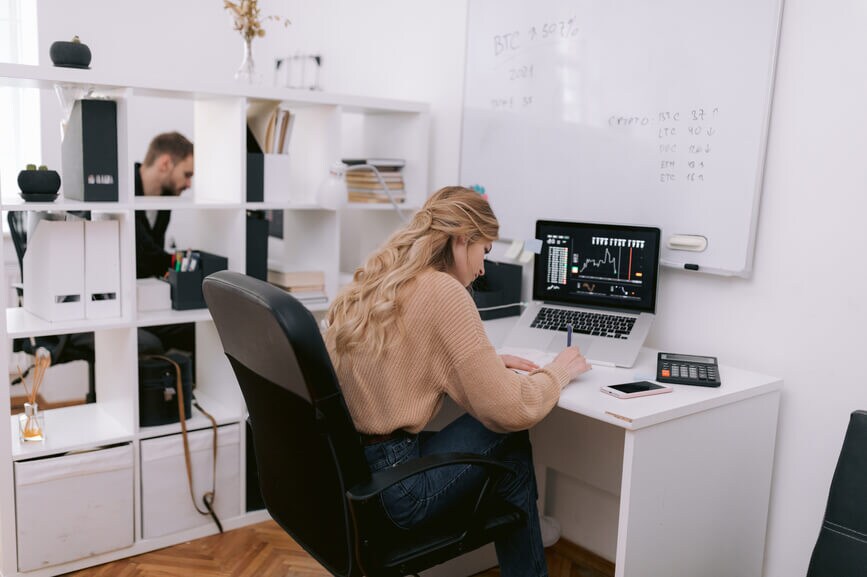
(31, 425)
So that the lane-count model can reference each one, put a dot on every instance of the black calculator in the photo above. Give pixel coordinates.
(687, 370)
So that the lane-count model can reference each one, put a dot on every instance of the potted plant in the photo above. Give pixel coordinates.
(72, 54)
(38, 183)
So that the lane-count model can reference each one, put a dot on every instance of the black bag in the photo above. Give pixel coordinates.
(157, 389)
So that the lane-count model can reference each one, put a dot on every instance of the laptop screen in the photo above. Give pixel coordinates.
(597, 265)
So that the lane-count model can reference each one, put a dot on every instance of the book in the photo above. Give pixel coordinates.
(269, 133)
(303, 289)
(367, 176)
(374, 198)
(296, 278)
(380, 163)
(259, 114)
(282, 131)
(374, 186)
(315, 297)
(375, 183)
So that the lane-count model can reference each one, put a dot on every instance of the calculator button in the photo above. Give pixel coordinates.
(665, 373)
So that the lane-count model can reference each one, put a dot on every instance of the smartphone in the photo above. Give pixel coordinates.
(637, 389)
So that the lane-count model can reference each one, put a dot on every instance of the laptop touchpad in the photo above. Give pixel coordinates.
(558, 343)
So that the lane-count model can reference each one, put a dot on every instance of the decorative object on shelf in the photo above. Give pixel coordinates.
(67, 94)
(298, 71)
(72, 54)
(31, 424)
(332, 192)
(248, 21)
(40, 185)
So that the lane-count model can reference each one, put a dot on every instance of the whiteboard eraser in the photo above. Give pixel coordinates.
(514, 249)
(693, 242)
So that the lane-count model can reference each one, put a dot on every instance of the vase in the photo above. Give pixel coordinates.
(31, 425)
(247, 71)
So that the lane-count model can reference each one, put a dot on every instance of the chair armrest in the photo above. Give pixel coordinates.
(385, 478)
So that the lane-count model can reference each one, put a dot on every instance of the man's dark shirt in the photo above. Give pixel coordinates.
(150, 257)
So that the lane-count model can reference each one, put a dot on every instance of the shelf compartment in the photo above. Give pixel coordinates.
(221, 412)
(80, 427)
(53, 527)
(165, 502)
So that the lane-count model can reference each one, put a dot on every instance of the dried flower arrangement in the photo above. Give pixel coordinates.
(247, 18)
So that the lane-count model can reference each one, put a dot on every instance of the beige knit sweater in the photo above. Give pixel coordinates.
(444, 351)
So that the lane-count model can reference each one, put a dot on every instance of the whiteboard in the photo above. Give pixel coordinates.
(627, 111)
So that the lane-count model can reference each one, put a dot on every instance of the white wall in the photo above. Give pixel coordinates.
(796, 317)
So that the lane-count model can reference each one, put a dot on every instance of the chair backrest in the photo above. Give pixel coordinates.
(841, 550)
(307, 449)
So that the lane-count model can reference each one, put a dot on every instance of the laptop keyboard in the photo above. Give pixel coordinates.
(597, 324)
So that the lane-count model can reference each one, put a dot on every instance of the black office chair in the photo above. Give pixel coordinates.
(314, 479)
(62, 348)
(841, 550)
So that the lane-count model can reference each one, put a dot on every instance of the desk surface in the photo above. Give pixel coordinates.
(584, 397)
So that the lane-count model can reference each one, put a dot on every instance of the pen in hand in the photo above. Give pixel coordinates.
(569, 335)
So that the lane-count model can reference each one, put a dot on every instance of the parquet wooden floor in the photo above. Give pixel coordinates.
(264, 550)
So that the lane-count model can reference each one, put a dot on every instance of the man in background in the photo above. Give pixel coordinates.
(167, 170)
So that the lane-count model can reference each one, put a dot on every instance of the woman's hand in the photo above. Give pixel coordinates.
(518, 364)
(573, 361)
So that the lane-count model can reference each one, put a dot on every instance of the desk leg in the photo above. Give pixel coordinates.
(695, 493)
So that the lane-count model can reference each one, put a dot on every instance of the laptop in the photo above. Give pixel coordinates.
(601, 278)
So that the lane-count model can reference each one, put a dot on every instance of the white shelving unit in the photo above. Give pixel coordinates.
(327, 127)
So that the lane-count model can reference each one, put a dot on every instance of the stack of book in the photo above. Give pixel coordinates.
(308, 286)
(363, 185)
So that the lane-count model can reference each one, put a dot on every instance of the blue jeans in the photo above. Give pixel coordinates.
(443, 491)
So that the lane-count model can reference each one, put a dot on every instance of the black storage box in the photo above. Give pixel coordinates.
(255, 177)
(187, 285)
(257, 244)
(157, 389)
(89, 152)
(501, 285)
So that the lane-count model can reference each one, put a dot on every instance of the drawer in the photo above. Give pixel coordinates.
(73, 506)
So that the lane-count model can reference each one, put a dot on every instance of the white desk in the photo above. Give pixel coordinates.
(694, 476)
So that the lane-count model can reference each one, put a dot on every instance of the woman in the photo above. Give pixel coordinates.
(405, 333)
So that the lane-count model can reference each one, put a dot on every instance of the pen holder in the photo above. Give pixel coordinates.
(186, 290)
(187, 285)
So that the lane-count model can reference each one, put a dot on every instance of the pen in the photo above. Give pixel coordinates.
(569, 335)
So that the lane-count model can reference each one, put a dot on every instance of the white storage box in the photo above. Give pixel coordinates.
(54, 271)
(166, 504)
(73, 506)
(101, 269)
(276, 178)
(153, 294)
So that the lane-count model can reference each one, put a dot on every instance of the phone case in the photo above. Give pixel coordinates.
(622, 395)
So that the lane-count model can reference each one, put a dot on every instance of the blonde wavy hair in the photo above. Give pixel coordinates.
(368, 308)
